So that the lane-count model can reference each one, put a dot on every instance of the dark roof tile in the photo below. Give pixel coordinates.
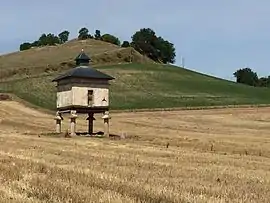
(82, 56)
(84, 72)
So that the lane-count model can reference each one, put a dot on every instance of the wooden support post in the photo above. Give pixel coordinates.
(58, 126)
(106, 127)
(73, 118)
(90, 123)
(58, 118)
(106, 118)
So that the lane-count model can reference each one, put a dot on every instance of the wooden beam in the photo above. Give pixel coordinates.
(90, 123)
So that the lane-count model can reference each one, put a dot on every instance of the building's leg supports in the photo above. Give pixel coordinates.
(106, 118)
(106, 127)
(58, 118)
(58, 126)
(73, 118)
(90, 123)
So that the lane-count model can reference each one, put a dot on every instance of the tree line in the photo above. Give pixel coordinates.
(145, 41)
(47, 39)
(249, 77)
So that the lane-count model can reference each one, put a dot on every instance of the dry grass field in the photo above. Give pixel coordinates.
(179, 156)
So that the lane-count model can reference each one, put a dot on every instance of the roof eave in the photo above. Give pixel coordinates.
(62, 78)
(59, 78)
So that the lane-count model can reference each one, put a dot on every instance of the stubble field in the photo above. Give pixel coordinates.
(220, 155)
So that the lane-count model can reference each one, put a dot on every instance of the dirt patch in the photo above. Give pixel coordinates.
(5, 97)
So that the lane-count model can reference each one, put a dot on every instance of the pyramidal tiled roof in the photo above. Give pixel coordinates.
(84, 72)
(82, 56)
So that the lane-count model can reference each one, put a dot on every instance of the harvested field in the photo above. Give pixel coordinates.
(220, 155)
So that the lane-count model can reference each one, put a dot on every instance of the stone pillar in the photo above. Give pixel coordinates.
(58, 118)
(90, 123)
(106, 118)
(73, 118)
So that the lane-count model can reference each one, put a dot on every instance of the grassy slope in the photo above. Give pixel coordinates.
(143, 84)
(56, 58)
(149, 86)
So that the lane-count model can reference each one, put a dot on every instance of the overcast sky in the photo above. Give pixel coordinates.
(215, 37)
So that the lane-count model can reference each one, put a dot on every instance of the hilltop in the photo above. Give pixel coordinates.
(61, 57)
(142, 84)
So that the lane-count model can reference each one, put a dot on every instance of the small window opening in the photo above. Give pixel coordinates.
(90, 97)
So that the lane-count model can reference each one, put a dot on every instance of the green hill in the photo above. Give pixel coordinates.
(137, 85)
(149, 86)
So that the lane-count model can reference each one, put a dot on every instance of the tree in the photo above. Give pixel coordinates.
(63, 36)
(97, 35)
(52, 39)
(42, 40)
(166, 50)
(246, 76)
(49, 39)
(143, 41)
(25, 46)
(111, 39)
(125, 44)
(146, 42)
(36, 43)
(46, 39)
(264, 82)
(83, 34)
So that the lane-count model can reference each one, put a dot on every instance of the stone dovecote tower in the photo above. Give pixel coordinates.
(82, 90)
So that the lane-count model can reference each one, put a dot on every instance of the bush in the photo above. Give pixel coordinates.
(25, 46)
(125, 44)
(111, 39)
